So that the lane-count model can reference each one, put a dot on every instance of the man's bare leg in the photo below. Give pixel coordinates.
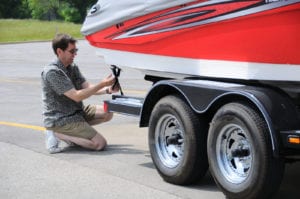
(100, 116)
(98, 142)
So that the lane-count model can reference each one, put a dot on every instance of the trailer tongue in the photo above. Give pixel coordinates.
(126, 105)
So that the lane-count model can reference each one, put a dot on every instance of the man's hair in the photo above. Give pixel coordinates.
(62, 41)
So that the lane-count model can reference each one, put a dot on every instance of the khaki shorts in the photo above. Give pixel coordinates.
(79, 129)
(89, 112)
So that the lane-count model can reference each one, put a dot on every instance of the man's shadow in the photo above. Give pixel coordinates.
(108, 150)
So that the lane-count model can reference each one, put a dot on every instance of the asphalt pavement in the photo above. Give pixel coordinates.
(123, 170)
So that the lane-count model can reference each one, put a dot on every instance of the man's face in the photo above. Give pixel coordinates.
(67, 56)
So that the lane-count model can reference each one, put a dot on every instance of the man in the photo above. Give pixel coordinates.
(64, 88)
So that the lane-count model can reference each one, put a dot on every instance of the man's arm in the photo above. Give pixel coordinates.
(102, 91)
(89, 89)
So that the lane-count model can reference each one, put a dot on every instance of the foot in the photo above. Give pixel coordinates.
(52, 142)
(55, 150)
(69, 143)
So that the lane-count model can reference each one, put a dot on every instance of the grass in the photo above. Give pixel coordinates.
(15, 30)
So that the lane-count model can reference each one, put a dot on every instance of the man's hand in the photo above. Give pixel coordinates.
(114, 89)
(109, 81)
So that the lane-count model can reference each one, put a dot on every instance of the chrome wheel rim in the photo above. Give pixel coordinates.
(234, 153)
(169, 140)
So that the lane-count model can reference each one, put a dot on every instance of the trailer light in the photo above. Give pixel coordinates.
(294, 140)
(105, 107)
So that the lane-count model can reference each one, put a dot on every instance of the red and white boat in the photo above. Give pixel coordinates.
(245, 39)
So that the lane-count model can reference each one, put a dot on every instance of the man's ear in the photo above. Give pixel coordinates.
(59, 51)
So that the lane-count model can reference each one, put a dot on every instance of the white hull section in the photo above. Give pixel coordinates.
(166, 66)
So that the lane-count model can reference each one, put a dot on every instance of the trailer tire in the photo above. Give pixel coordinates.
(240, 153)
(177, 141)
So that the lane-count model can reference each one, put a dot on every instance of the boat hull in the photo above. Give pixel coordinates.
(223, 39)
(178, 67)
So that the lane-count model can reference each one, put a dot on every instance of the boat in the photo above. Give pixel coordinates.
(223, 39)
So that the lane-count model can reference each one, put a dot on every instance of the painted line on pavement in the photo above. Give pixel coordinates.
(18, 81)
(38, 128)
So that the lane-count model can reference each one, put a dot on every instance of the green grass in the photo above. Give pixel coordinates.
(14, 30)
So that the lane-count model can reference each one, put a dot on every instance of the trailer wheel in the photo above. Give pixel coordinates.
(240, 153)
(177, 141)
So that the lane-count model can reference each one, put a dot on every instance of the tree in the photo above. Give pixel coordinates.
(81, 6)
(68, 10)
(44, 9)
(69, 13)
(14, 9)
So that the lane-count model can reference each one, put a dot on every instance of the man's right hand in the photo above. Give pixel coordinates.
(109, 80)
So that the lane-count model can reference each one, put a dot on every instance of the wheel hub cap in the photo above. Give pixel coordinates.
(169, 140)
(234, 153)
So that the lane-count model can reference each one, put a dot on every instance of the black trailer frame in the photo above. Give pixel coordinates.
(205, 97)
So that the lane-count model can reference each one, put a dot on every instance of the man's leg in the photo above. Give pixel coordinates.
(98, 142)
(100, 116)
(82, 134)
(95, 115)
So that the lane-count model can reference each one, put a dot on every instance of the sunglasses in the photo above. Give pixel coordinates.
(73, 51)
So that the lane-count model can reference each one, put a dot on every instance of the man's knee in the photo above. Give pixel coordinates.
(100, 146)
(108, 117)
(99, 142)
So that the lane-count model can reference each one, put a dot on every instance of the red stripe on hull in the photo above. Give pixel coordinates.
(268, 37)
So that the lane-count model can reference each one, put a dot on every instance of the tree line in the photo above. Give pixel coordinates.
(67, 10)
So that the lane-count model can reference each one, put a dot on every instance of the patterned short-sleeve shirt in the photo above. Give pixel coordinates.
(59, 110)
